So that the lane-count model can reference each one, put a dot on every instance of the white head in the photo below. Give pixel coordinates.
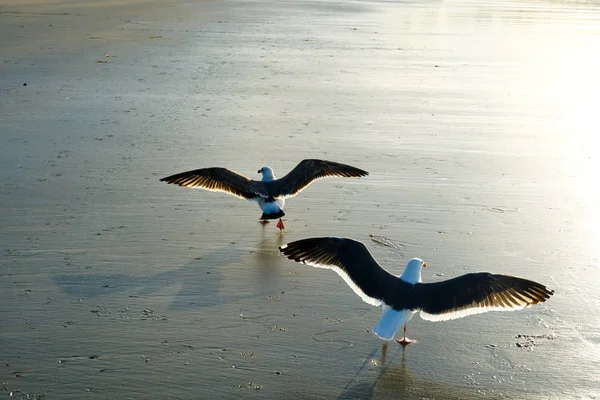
(267, 174)
(412, 272)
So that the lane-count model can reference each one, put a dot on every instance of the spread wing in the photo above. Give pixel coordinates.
(474, 294)
(219, 180)
(454, 298)
(351, 260)
(308, 171)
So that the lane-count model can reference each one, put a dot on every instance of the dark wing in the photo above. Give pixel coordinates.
(307, 171)
(350, 259)
(474, 294)
(219, 180)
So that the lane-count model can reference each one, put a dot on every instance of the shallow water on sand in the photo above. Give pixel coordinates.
(476, 120)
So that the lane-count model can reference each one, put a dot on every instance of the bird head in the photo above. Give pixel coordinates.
(267, 174)
(412, 272)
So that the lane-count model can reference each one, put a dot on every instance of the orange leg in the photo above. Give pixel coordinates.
(404, 341)
(280, 225)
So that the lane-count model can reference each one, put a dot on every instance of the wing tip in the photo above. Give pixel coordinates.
(354, 172)
(288, 252)
(542, 294)
(347, 170)
(303, 250)
(171, 179)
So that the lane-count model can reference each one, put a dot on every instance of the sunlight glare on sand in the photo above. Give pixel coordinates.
(579, 96)
(562, 85)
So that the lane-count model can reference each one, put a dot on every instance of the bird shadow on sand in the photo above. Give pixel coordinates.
(202, 279)
(390, 379)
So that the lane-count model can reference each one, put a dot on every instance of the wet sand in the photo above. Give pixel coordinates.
(476, 121)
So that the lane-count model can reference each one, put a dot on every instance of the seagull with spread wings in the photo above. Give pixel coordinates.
(403, 296)
(270, 193)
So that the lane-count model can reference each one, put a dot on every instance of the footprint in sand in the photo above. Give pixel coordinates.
(383, 241)
(342, 216)
(502, 210)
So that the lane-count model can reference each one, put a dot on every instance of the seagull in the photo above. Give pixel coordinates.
(403, 296)
(270, 193)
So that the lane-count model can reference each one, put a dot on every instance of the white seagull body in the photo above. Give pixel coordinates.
(270, 193)
(404, 296)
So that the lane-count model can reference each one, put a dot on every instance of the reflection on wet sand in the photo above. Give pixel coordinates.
(267, 259)
(391, 378)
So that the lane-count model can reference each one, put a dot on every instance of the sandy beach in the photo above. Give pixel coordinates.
(477, 122)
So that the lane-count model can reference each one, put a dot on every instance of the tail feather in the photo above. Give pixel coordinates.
(390, 321)
(274, 215)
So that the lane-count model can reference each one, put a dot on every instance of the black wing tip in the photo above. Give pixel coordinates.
(350, 172)
(357, 172)
(188, 174)
(300, 249)
(173, 179)
(290, 250)
(535, 291)
(169, 179)
(298, 245)
(541, 292)
(547, 293)
(532, 292)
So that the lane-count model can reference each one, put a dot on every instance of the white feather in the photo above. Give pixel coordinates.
(346, 277)
(465, 312)
(271, 207)
(268, 174)
(227, 191)
(412, 272)
(390, 321)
